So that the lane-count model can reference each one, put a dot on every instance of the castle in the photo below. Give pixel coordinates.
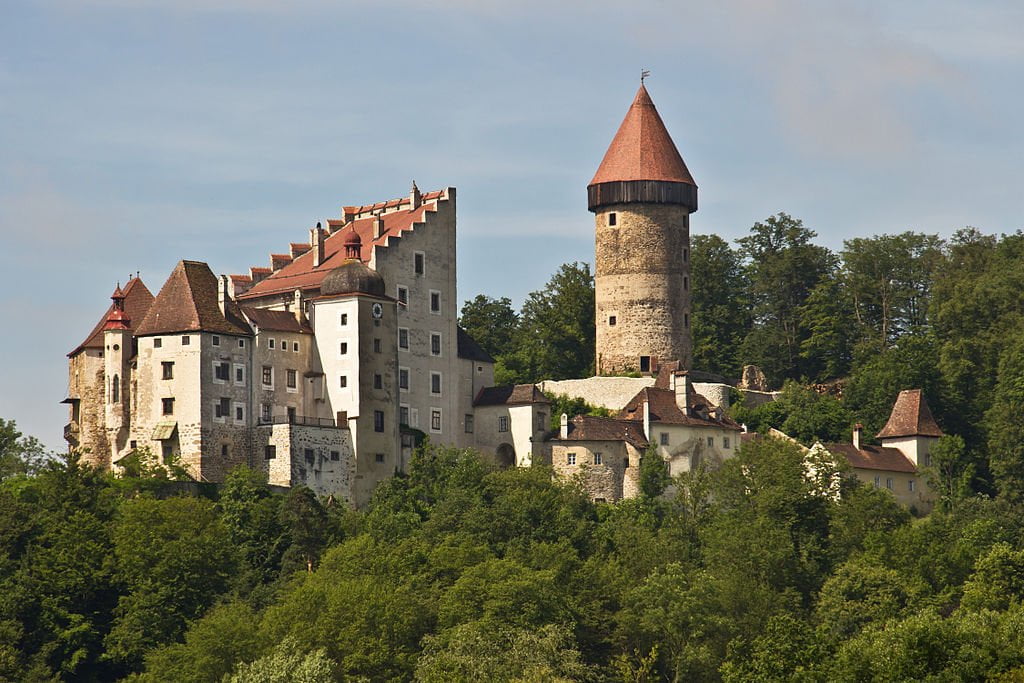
(327, 367)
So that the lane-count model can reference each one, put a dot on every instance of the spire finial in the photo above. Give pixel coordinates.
(644, 73)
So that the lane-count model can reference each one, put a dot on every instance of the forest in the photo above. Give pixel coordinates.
(458, 570)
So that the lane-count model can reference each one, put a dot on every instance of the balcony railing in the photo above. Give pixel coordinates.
(303, 420)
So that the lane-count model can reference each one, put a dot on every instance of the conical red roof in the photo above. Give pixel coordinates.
(910, 417)
(642, 148)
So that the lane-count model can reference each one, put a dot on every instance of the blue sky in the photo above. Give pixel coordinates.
(134, 133)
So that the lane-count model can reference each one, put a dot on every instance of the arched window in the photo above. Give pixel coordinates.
(115, 390)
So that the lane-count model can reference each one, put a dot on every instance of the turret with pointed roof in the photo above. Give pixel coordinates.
(642, 196)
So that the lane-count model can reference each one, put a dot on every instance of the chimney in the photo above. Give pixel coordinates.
(297, 298)
(415, 198)
(223, 294)
(682, 387)
(563, 427)
(316, 244)
(857, 429)
(378, 227)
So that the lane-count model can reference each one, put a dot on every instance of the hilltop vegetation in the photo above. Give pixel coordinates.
(460, 572)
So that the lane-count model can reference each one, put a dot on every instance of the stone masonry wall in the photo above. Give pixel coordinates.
(642, 279)
(607, 392)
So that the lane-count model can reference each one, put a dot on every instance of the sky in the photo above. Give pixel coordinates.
(135, 133)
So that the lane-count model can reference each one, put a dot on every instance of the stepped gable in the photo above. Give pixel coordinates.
(398, 216)
(276, 321)
(642, 149)
(873, 457)
(665, 410)
(520, 394)
(137, 300)
(593, 428)
(910, 416)
(188, 302)
(470, 349)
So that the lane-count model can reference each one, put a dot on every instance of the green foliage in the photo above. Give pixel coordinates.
(287, 663)
(718, 299)
(19, 454)
(654, 476)
(801, 413)
(571, 407)
(492, 323)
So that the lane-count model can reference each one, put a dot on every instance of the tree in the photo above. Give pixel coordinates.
(1005, 428)
(287, 663)
(305, 527)
(654, 475)
(251, 515)
(718, 300)
(491, 322)
(19, 454)
(997, 581)
(555, 339)
(783, 267)
(826, 351)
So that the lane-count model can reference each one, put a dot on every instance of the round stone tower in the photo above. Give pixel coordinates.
(642, 196)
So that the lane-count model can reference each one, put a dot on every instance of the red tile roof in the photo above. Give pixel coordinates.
(664, 409)
(137, 300)
(520, 394)
(300, 273)
(642, 149)
(873, 457)
(278, 321)
(591, 428)
(910, 417)
(188, 302)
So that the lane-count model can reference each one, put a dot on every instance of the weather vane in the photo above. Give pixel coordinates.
(644, 73)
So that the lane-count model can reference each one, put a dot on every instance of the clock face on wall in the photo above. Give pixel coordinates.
(377, 310)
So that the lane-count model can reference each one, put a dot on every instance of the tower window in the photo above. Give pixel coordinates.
(418, 258)
(686, 320)
(167, 404)
(686, 255)
(612, 218)
(611, 321)
(435, 301)
(216, 340)
(378, 381)
(645, 363)
(378, 420)
(168, 369)
(686, 283)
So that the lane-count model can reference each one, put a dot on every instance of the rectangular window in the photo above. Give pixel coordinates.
(403, 379)
(878, 481)
(435, 301)
(542, 422)
(379, 458)
(168, 369)
(686, 254)
(711, 442)
(343, 320)
(612, 320)
(645, 363)
(309, 454)
(291, 414)
(403, 295)
(469, 424)
(435, 382)
(503, 423)
(291, 379)
(186, 340)
(343, 381)
(613, 218)
(342, 348)
(222, 407)
(403, 415)
(435, 419)
(241, 343)
(414, 417)
(335, 456)
(597, 458)
(270, 452)
(686, 283)
(158, 343)
(403, 338)
(418, 259)
(435, 344)
(265, 412)
(268, 376)
(378, 381)
(270, 343)
(686, 320)
(888, 483)
(240, 375)
(215, 340)
(168, 406)
(239, 412)
(377, 346)
(221, 371)
(725, 442)
(570, 458)
(378, 420)
(295, 347)
(910, 485)
(664, 438)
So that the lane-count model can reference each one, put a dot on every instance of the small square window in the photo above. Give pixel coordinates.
(186, 340)
(344, 319)
(469, 424)
(418, 262)
(664, 438)
(597, 458)
(503, 423)
(435, 344)
(167, 404)
(378, 381)
(133, 444)
(309, 454)
(612, 320)
(378, 420)
(270, 452)
(241, 343)
(215, 340)
(379, 458)
(222, 407)
(158, 343)
(221, 372)
(168, 369)
(343, 348)
(335, 456)
(403, 338)
(570, 458)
